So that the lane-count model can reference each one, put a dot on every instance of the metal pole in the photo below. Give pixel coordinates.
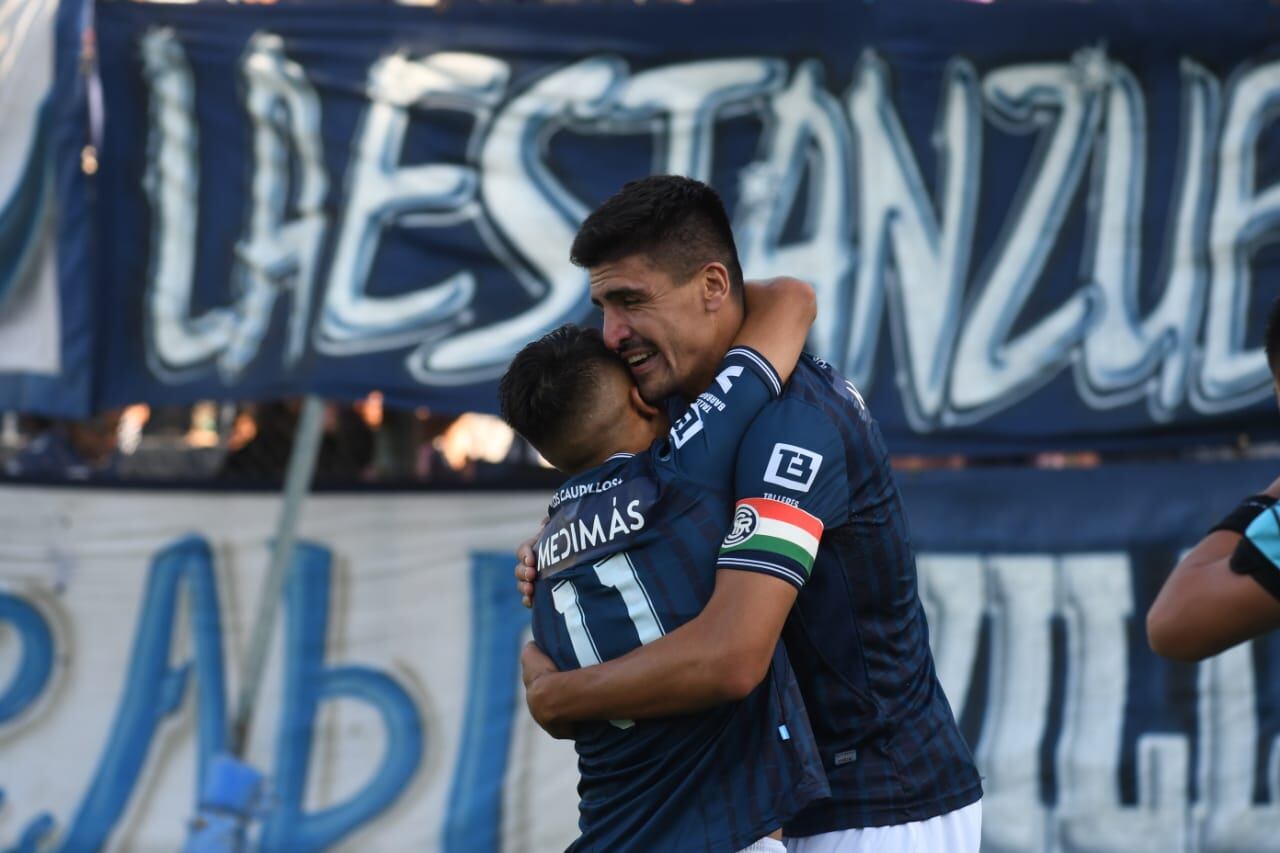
(297, 482)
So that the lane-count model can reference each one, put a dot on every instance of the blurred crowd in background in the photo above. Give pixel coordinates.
(364, 443)
(247, 444)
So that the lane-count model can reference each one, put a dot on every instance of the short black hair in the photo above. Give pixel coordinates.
(553, 384)
(1272, 345)
(678, 223)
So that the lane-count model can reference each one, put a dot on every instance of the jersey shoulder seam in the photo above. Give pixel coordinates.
(808, 404)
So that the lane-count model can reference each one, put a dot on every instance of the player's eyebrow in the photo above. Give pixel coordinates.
(617, 294)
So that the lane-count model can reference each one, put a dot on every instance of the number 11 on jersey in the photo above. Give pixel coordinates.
(619, 573)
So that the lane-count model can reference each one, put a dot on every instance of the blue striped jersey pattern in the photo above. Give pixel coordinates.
(857, 637)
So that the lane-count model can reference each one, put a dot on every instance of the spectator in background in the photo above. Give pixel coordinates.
(72, 450)
(1227, 589)
(346, 448)
(429, 462)
(265, 454)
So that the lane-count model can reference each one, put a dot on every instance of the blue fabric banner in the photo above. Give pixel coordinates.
(47, 279)
(1030, 225)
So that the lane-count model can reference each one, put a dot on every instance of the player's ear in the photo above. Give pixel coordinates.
(640, 406)
(716, 286)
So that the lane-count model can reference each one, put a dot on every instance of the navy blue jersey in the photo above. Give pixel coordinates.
(818, 508)
(629, 554)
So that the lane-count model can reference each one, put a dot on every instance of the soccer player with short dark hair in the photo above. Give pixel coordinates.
(811, 467)
(628, 554)
(1226, 590)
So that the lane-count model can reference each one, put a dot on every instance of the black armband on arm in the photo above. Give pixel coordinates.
(1248, 559)
(1239, 519)
(1258, 553)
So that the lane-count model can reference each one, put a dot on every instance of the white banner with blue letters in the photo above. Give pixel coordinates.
(392, 716)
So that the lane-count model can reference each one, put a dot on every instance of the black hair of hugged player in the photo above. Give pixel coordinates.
(553, 386)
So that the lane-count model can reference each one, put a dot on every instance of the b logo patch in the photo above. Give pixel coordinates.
(745, 522)
(792, 467)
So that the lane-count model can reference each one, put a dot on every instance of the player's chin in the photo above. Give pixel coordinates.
(655, 388)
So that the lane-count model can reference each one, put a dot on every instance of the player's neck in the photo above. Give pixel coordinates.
(702, 379)
(640, 433)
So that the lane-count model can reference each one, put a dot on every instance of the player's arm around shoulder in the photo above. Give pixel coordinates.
(779, 314)
(1225, 591)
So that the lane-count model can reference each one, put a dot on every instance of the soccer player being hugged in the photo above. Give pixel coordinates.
(629, 553)
(1226, 590)
(819, 554)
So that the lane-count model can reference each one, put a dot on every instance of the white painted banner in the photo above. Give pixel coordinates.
(392, 719)
(407, 577)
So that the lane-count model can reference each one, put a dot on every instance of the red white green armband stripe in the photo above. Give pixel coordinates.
(773, 537)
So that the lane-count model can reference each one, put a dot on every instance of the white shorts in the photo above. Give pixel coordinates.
(765, 845)
(959, 831)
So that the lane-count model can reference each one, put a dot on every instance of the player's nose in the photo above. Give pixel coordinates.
(615, 331)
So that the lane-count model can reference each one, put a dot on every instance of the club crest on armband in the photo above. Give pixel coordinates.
(745, 522)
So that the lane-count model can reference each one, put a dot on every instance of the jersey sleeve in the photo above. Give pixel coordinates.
(704, 440)
(790, 484)
(1258, 553)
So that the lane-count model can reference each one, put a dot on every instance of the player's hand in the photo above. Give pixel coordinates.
(533, 666)
(527, 566)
